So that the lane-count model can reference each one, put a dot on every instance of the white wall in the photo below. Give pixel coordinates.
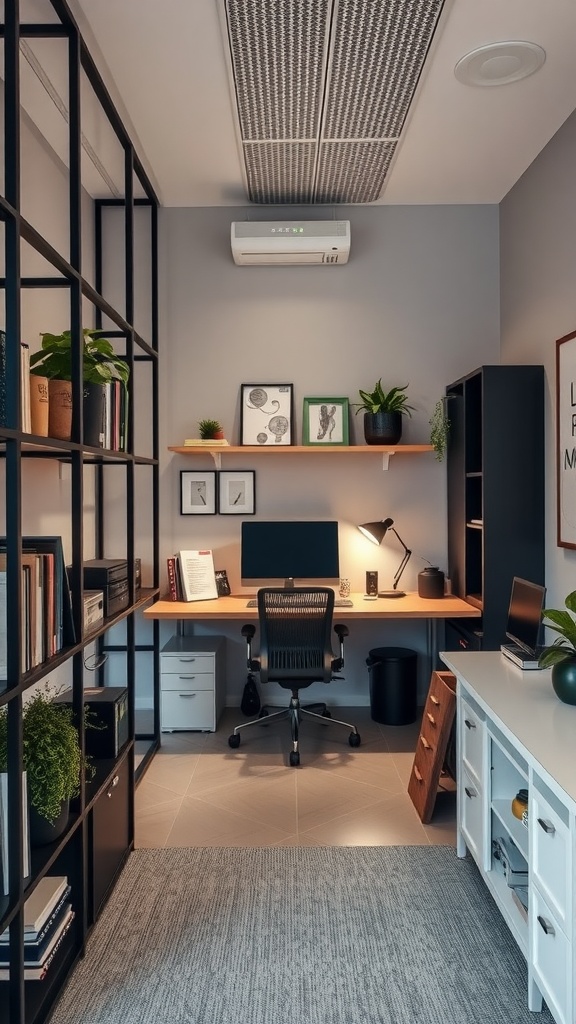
(417, 304)
(538, 302)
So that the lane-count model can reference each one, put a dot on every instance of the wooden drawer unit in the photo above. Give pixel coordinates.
(551, 853)
(551, 959)
(432, 742)
(192, 683)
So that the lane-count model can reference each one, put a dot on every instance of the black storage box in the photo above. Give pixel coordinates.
(108, 707)
(99, 573)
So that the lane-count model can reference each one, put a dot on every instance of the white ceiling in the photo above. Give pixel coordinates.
(461, 144)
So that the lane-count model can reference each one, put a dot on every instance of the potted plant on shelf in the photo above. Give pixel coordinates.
(210, 430)
(561, 655)
(53, 763)
(100, 366)
(383, 412)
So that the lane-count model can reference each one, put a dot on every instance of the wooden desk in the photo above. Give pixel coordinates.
(410, 607)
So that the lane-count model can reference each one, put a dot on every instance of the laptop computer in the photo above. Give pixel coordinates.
(524, 623)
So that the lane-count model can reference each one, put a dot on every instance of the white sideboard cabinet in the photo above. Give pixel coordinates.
(513, 733)
(192, 683)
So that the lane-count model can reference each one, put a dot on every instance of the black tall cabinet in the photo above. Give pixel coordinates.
(78, 229)
(495, 472)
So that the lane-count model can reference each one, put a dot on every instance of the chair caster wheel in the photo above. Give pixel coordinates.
(263, 713)
(354, 739)
(326, 714)
(294, 758)
(234, 740)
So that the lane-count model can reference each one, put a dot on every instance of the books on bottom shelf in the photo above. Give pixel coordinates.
(48, 915)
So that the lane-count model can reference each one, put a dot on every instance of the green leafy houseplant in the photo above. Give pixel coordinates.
(100, 364)
(53, 760)
(562, 622)
(210, 430)
(378, 400)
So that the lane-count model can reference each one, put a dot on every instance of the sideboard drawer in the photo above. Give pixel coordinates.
(551, 859)
(187, 681)
(551, 958)
(472, 814)
(472, 739)
(170, 663)
(188, 709)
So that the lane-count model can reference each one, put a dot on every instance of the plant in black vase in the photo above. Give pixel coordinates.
(383, 412)
(561, 655)
(53, 763)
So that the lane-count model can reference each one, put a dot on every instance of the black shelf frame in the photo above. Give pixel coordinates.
(31, 1002)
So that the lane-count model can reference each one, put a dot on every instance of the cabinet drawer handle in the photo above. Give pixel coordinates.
(435, 700)
(425, 743)
(113, 785)
(464, 644)
(186, 694)
(186, 659)
(547, 826)
(545, 925)
(469, 724)
(470, 792)
(430, 718)
(187, 677)
(417, 774)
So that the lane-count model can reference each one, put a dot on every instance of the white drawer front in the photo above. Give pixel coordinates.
(472, 735)
(187, 680)
(186, 663)
(471, 805)
(551, 957)
(550, 855)
(192, 709)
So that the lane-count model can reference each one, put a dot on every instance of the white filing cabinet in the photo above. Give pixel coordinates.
(192, 683)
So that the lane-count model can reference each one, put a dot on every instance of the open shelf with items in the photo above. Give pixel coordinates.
(495, 476)
(79, 236)
(301, 449)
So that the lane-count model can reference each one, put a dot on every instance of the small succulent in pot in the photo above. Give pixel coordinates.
(383, 412)
(210, 430)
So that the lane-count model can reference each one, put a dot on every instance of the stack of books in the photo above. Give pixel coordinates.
(48, 915)
(199, 442)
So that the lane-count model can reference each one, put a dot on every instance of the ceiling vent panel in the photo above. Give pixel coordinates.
(278, 56)
(280, 172)
(377, 56)
(352, 172)
(322, 90)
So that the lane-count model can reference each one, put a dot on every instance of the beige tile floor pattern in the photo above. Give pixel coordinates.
(199, 792)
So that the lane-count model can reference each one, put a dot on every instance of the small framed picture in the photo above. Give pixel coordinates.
(197, 492)
(325, 421)
(266, 414)
(237, 492)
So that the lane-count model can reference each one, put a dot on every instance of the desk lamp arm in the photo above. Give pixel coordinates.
(405, 560)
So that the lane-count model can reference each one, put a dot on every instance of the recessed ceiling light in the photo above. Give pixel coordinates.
(500, 63)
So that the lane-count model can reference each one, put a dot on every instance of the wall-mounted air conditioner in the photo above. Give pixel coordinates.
(290, 242)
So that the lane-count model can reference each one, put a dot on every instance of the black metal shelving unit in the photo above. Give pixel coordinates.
(100, 831)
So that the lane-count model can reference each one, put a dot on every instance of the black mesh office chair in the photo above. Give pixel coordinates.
(295, 651)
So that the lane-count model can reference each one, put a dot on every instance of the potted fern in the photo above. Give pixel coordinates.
(53, 763)
(383, 412)
(210, 430)
(100, 366)
(561, 655)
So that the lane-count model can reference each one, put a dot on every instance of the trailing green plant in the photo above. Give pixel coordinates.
(440, 429)
(52, 760)
(100, 364)
(563, 623)
(378, 400)
(208, 429)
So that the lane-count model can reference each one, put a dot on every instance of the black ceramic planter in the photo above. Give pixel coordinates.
(382, 427)
(564, 680)
(42, 831)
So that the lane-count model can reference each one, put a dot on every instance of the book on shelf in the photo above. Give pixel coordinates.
(197, 574)
(36, 953)
(171, 569)
(47, 622)
(42, 910)
(25, 414)
(36, 971)
(4, 879)
(201, 442)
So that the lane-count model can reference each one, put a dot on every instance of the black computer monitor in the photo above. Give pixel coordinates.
(525, 614)
(285, 551)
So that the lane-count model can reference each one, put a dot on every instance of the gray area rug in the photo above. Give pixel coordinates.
(299, 935)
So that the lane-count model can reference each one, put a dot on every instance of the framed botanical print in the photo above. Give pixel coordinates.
(197, 492)
(237, 492)
(566, 440)
(266, 414)
(325, 421)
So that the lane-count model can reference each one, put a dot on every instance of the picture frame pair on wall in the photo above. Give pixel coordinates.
(210, 492)
(267, 417)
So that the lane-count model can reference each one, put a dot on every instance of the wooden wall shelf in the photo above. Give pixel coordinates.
(245, 450)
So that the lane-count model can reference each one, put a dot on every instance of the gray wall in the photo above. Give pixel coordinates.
(418, 304)
(538, 301)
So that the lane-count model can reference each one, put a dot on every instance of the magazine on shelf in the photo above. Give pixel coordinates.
(4, 880)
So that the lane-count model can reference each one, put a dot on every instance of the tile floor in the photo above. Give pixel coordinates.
(199, 792)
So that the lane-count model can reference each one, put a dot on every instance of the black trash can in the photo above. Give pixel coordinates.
(393, 685)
